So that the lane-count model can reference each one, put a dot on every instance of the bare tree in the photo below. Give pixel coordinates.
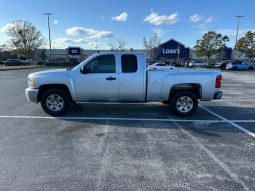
(25, 39)
(119, 46)
(152, 46)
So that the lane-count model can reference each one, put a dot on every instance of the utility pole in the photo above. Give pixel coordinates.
(49, 14)
(238, 18)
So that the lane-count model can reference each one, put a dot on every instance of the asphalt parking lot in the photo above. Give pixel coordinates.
(128, 147)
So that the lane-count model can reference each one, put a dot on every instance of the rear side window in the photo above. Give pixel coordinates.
(129, 63)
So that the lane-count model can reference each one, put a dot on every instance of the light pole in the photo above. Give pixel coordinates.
(178, 56)
(48, 14)
(237, 28)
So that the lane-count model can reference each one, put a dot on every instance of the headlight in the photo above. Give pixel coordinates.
(31, 82)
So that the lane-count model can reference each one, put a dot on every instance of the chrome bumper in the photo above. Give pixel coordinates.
(218, 95)
(31, 95)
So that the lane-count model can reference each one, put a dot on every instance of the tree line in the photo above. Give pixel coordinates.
(210, 44)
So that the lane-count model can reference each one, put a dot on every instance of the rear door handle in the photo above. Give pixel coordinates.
(110, 78)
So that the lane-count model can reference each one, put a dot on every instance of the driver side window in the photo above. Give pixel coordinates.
(102, 64)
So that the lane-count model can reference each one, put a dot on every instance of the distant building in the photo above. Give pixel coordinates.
(171, 50)
(62, 55)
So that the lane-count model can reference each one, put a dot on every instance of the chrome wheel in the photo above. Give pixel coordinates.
(184, 104)
(54, 102)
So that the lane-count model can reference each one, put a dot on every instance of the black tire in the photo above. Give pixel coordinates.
(189, 97)
(235, 68)
(250, 68)
(58, 108)
(223, 67)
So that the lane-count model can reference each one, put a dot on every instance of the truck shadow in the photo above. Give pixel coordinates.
(202, 122)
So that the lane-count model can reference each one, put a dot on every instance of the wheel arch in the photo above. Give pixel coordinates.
(195, 87)
(45, 87)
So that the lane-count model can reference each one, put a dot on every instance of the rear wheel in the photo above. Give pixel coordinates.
(184, 103)
(55, 102)
(235, 68)
(250, 68)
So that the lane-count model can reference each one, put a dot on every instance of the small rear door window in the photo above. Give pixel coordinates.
(129, 63)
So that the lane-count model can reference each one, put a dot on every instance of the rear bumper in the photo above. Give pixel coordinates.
(31, 95)
(218, 95)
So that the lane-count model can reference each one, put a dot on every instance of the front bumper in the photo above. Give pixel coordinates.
(31, 94)
(218, 95)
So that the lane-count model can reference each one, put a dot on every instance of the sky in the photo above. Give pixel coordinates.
(94, 24)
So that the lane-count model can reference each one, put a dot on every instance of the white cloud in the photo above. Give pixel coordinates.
(81, 40)
(161, 32)
(62, 41)
(6, 27)
(101, 35)
(194, 18)
(94, 44)
(122, 17)
(55, 21)
(92, 33)
(154, 18)
(209, 19)
(204, 25)
(79, 30)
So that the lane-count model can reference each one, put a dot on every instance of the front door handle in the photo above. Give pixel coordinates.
(110, 78)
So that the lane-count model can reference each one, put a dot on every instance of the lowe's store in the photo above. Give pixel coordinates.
(168, 51)
(173, 50)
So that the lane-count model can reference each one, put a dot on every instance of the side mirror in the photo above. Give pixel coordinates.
(83, 69)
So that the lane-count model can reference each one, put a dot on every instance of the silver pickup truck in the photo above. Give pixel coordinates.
(122, 77)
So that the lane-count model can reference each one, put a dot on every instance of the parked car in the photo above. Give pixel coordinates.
(41, 62)
(15, 62)
(222, 64)
(175, 64)
(122, 77)
(160, 66)
(239, 65)
(197, 63)
(2, 62)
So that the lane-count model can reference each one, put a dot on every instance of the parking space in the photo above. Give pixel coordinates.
(128, 147)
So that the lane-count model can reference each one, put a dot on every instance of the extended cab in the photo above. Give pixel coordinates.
(122, 77)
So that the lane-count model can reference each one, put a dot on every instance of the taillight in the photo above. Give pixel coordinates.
(218, 81)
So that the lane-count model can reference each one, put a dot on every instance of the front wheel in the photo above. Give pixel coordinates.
(184, 103)
(55, 102)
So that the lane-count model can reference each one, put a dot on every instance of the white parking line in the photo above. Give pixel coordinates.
(229, 121)
(110, 118)
(221, 164)
(237, 100)
(224, 120)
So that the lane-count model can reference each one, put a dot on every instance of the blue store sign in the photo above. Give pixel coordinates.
(173, 49)
(74, 51)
